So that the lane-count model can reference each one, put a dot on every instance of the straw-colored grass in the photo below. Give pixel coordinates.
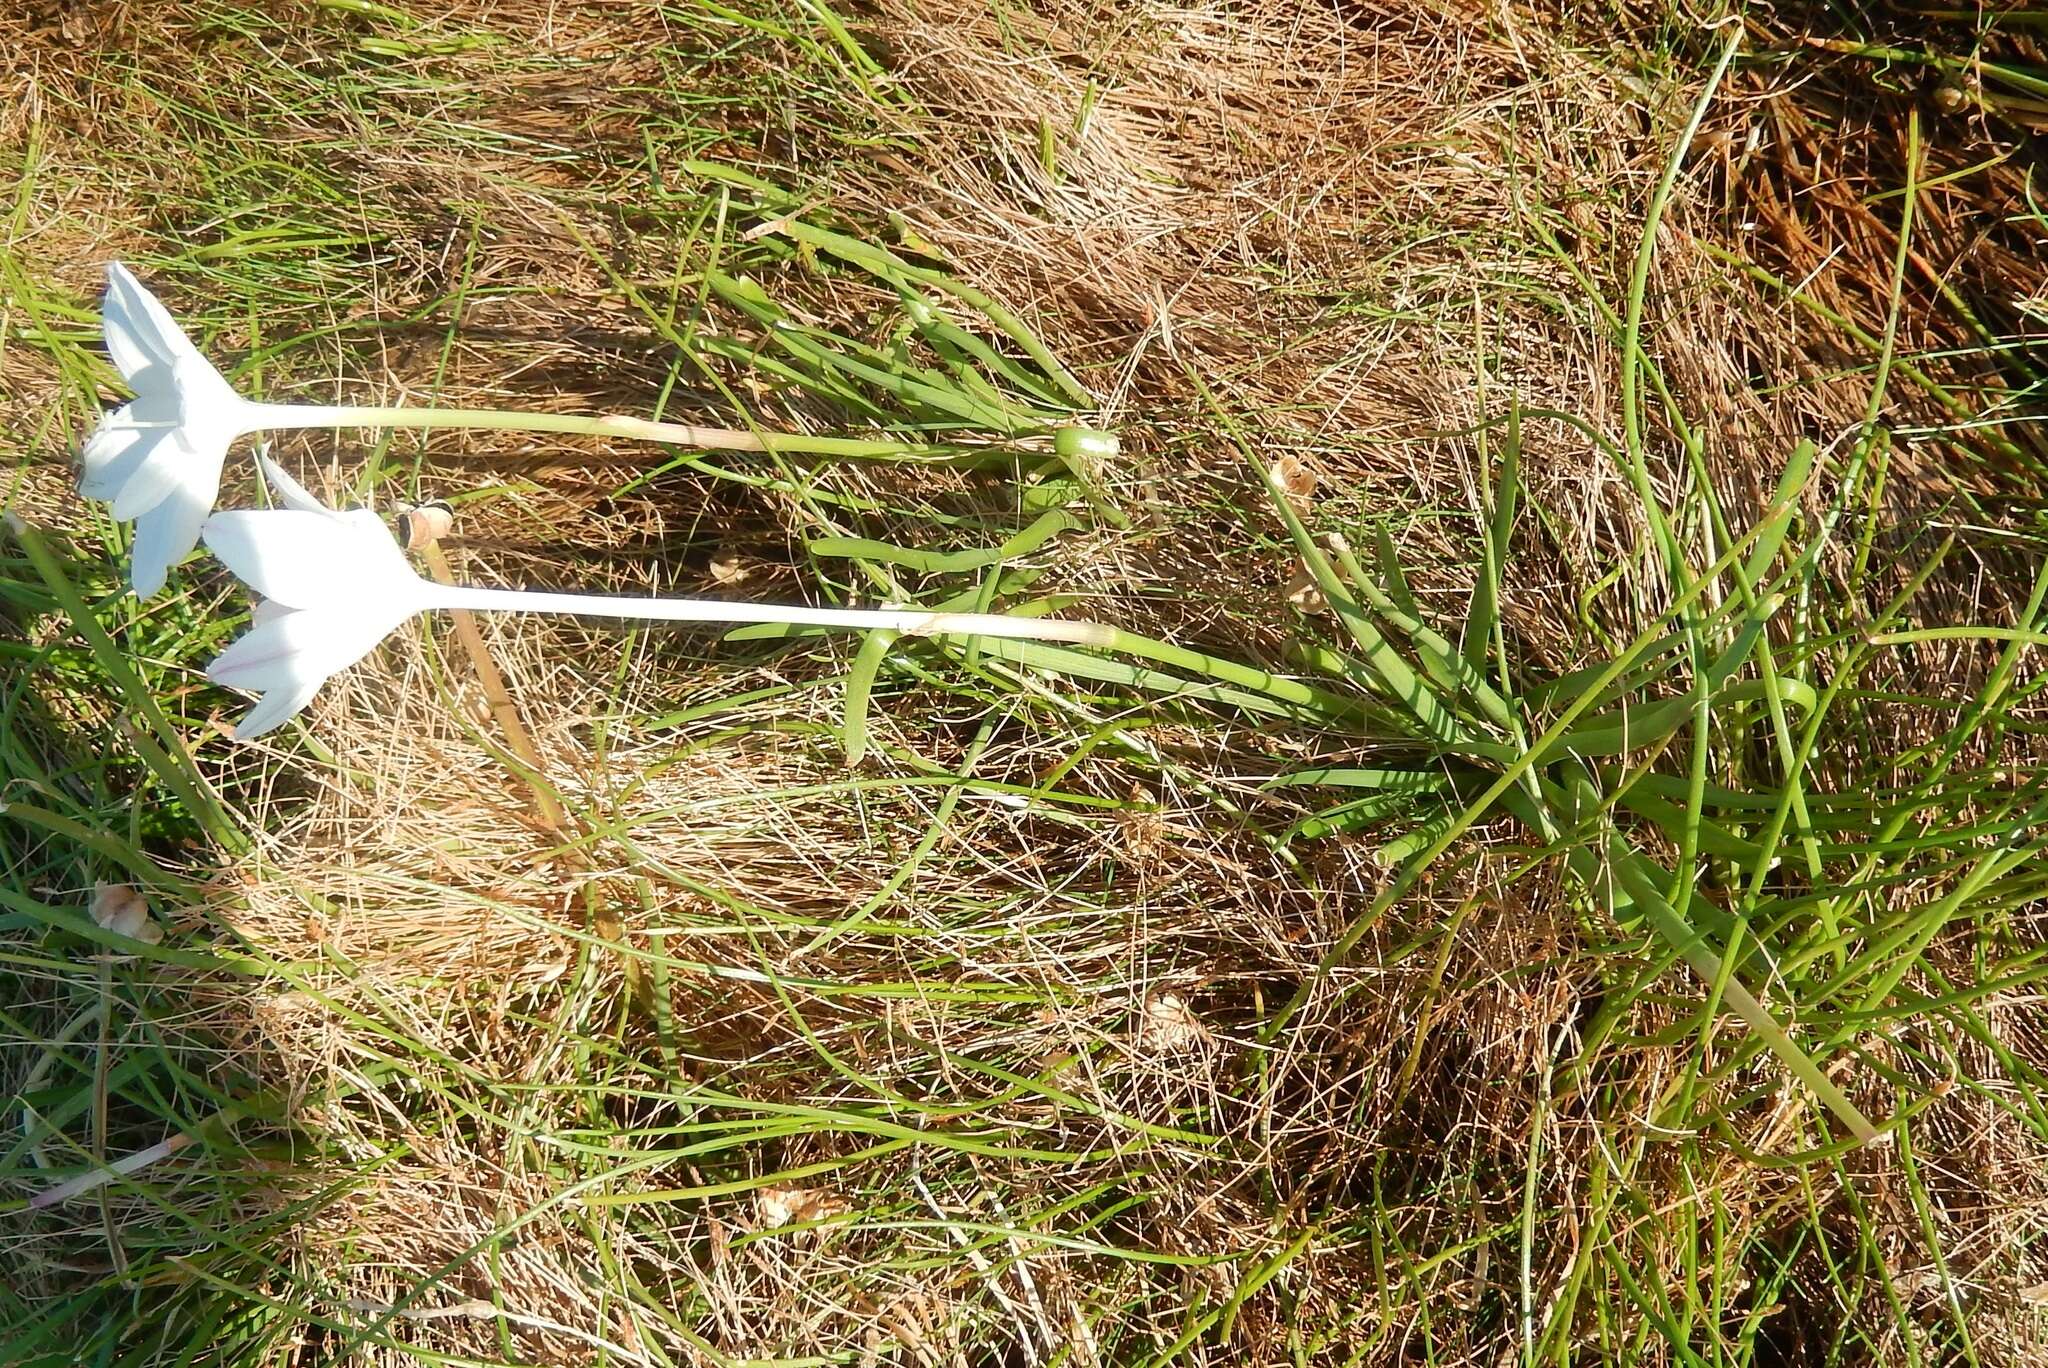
(1050, 1029)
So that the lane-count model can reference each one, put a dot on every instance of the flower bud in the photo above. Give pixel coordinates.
(423, 526)
(1091, 443)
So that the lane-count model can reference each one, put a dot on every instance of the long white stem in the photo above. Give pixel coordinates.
(911, 622)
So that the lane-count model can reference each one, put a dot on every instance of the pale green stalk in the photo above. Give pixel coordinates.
(1066, 441)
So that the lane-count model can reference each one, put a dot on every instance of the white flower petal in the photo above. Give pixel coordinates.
(131, 345)
(346, 635)
(292, 649)
(129, 354)
(109, 438)
(259, 658)
(145, 324)
(290, 653)
(289, 492)
(275, 709)
(110, 456)
(305, 559)
(172, 464)
(154, 478)
(267, 610)
(291, 556)
(206, 399)
(168, 445)
(165, 535)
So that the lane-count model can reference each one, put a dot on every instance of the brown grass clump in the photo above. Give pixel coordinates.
(1298, 208)
(1373, 227)
(752, 1054)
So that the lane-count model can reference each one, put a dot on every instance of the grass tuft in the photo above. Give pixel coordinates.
(1545, 869)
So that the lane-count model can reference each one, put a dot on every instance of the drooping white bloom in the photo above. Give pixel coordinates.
(158, 458)
(335, 584)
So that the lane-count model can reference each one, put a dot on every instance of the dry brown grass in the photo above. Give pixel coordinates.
(1334, 218)
(1347, 221)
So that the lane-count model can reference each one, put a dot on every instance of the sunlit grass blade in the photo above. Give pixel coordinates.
(860, 682)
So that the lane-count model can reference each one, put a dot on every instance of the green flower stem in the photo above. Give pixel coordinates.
(1066, 440)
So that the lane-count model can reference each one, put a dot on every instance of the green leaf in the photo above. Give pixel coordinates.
(860, 683)
(950, 562)
(1481, 624)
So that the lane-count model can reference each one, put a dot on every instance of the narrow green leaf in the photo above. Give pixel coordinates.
(860, 682)
(1393, 582)
(169, 760)
(949, 562)
(1784, 503)
(1482, 625)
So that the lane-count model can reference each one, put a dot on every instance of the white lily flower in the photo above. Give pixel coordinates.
(158, 458)
(336, 584)
(333, 585)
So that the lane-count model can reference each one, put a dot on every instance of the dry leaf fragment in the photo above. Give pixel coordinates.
(1144, 830)
(727, 568)
(1295, 480)
(780, 1206)
(1170, 1026)
(1303, 592)
(99, 1177)
(721, 1243)
(915, 1324)
(121, 909)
